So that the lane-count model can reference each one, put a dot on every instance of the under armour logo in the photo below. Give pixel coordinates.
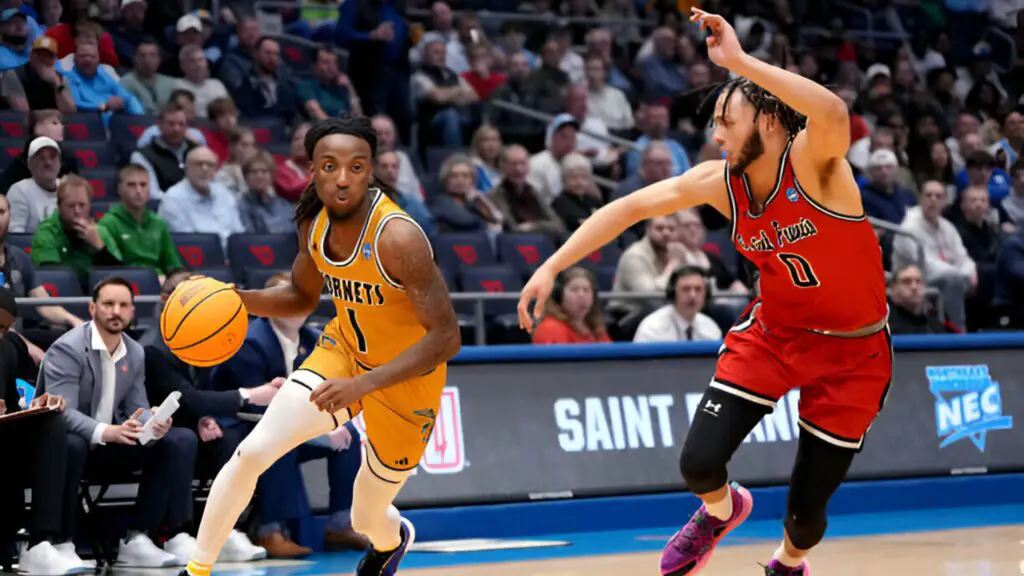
(712, 408)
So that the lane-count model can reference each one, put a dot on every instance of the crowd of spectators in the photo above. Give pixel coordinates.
(501, 138)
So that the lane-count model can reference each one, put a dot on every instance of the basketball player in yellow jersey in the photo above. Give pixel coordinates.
(383, 355)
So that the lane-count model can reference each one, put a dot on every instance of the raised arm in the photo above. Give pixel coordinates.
(299, 297)
(407, 258)
(703, 184)
(828, 121)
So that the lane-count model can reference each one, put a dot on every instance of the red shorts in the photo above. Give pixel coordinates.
(843, 381)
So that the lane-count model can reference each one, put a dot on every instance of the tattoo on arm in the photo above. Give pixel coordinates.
(406, 256)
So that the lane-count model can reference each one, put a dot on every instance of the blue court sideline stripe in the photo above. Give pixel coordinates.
(553, 517)
(629, 350)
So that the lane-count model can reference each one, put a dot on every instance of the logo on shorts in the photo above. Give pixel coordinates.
(445, 451)
(968, 404)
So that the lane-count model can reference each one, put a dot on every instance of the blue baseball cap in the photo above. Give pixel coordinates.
(11, 13)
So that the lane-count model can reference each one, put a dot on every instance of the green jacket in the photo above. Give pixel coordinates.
(147, 244)
(52, 246)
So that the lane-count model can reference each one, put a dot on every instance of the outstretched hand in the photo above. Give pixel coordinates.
(539, 289)
(723, 45)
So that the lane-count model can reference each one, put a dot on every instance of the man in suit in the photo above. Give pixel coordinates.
(35, 443)
(166, 373)
(272, 349)
(100, 372)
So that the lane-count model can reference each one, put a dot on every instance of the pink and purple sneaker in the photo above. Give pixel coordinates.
(690, 549)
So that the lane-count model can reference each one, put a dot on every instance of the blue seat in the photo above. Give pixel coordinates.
(492, 279)
(144, 282)
(60, 283)
(12, 124)
(437, 155)
(90, 154)
(199, 250)
(101, 207)
(457, 250)
(256, 278)
(608, 255)
(524, 251)
(103, 181)
(274, 251)
(23, 241)
(10, 148)
(125, 130)
(222, 273)
(605, 278)
(84, 127)
(719, 242)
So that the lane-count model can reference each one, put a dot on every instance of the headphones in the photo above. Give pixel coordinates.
(687, 270)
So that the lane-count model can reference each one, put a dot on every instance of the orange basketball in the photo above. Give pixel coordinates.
(204, 322)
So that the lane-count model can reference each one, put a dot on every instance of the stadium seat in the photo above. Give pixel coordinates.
(144, 282)
(90, 154)
(199, 250)
(101, 207)
(605, 278)
(23, 241)
(125, 130)
(275, 251)
(103, 181)
(12, 148)
(84, 127)
(719, 243)
(524, 251)
(298, 56)
(436, 156)
(12, 124)
(492, 279)
(222, 273)
(256, 278)
(607, 256)
(61, 283)
(454, 251)
(267, 130)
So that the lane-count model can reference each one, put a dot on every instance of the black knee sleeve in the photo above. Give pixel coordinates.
(720, 424)
(820, 468)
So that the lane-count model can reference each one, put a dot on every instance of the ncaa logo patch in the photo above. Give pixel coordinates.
(968, 404)
(445, 452)
(367, 251)
(791, 195)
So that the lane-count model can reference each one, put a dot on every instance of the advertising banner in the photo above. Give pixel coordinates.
(515, 431)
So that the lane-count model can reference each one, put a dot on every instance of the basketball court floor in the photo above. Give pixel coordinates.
(953, 542)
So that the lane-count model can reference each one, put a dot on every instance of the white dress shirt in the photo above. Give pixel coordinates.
(108, 363)
(666, 325)
(289, 347)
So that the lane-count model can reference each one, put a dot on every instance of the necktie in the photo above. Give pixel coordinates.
(689, 332)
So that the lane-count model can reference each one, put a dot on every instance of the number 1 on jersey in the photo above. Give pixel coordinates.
(360, 337)
(800, 270)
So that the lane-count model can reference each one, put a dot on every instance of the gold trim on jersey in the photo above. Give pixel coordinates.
(359, 241)
(401, 215)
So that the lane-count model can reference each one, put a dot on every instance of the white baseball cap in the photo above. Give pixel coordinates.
(40, 143)
(125, 3)
(189, 22)
(883, 157)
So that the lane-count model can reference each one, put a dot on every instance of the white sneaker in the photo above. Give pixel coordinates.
(67, 550)
(239, 548)
(44, 559)
(181, 547)
(140, 552)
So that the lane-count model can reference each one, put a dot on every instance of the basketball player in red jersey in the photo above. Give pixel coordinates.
(820, 321)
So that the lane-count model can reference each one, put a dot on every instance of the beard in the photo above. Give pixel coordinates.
(752, 149)
(113, 325)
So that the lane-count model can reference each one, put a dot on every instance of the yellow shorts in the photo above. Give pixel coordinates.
(399, 419)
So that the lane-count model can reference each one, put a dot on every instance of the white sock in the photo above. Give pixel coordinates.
(783, 557)
(723, 508)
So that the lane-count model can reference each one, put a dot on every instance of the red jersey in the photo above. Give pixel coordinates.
(819, 270)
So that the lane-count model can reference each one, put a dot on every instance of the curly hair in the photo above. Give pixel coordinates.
(763, 101)
(309, 204)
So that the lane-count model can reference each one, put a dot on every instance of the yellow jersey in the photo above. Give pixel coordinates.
(375, 318)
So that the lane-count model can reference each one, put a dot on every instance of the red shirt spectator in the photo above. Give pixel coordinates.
(571, 315)
(292, 175)
(480, 77)
(64, 35)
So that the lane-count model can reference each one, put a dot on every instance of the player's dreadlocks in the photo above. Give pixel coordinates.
(359, 126)
(764, 102)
